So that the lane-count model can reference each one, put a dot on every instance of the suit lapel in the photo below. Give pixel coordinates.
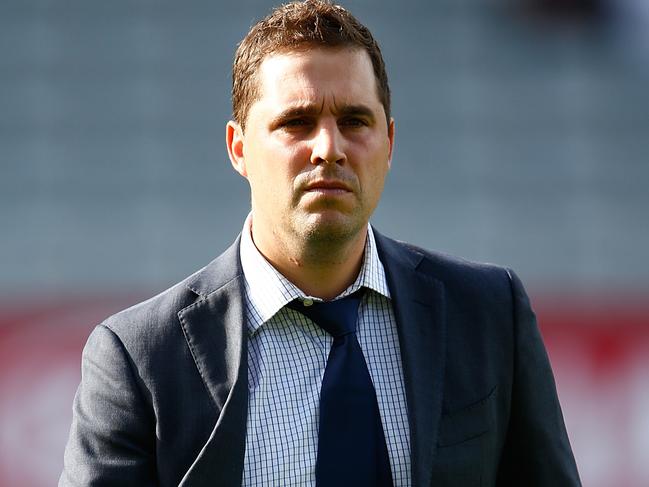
(215, 329)
(419, 304)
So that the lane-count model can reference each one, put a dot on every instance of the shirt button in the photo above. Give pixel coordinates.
(307, 301)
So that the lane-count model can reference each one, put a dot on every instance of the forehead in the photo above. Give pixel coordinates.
(316, 75)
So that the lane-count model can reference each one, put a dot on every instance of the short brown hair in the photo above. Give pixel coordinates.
(296, 26)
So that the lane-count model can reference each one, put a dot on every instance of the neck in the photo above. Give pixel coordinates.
(319, 269)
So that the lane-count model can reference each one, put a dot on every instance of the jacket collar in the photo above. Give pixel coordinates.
(217, 273)
(419, 306)
(214, 327)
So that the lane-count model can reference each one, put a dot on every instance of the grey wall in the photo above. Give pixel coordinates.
(518, 141)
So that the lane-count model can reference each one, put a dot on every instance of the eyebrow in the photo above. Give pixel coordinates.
(313, 110)
(358, 110)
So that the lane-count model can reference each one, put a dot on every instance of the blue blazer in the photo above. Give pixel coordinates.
(164, 388)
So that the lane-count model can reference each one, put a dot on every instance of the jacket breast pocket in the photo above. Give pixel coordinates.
(463, 443)
(468, 422)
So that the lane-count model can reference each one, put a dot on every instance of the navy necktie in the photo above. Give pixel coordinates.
(351, 444)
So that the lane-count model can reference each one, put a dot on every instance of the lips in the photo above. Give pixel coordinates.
(328, 186)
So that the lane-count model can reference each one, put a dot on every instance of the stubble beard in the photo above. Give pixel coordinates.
(321, 239)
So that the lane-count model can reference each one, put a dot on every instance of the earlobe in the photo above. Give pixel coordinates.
(234, 144)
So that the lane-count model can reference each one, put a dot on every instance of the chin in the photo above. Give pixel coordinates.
(330, 226)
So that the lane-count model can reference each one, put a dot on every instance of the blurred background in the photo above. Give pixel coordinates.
(522, 139)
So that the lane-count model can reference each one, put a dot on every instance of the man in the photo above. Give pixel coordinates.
(228, 378)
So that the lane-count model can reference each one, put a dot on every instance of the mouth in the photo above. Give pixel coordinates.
(328, 187)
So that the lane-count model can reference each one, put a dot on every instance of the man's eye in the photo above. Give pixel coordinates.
(353, 122)
(295, 122)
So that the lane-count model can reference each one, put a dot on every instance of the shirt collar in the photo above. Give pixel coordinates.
(268, 291)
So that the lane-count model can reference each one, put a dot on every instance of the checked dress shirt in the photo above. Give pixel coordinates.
(287, 355)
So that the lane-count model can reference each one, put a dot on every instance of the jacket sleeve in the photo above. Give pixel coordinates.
(537, 450)
(112, 438)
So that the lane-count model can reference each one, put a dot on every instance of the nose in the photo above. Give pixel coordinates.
(328, 145)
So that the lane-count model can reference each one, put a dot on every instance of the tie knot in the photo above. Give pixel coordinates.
(337, 317)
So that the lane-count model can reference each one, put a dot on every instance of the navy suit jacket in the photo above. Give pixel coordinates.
(164, 389)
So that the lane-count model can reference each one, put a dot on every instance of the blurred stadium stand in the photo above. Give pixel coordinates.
(522, 139)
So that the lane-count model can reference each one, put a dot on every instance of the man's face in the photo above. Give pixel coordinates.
(317, 145)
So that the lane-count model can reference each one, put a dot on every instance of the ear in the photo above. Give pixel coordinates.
(234, 143)
(391, 140)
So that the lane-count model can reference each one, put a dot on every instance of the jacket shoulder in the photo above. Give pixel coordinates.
(456, 273)
(153, 314)
(159, 314)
